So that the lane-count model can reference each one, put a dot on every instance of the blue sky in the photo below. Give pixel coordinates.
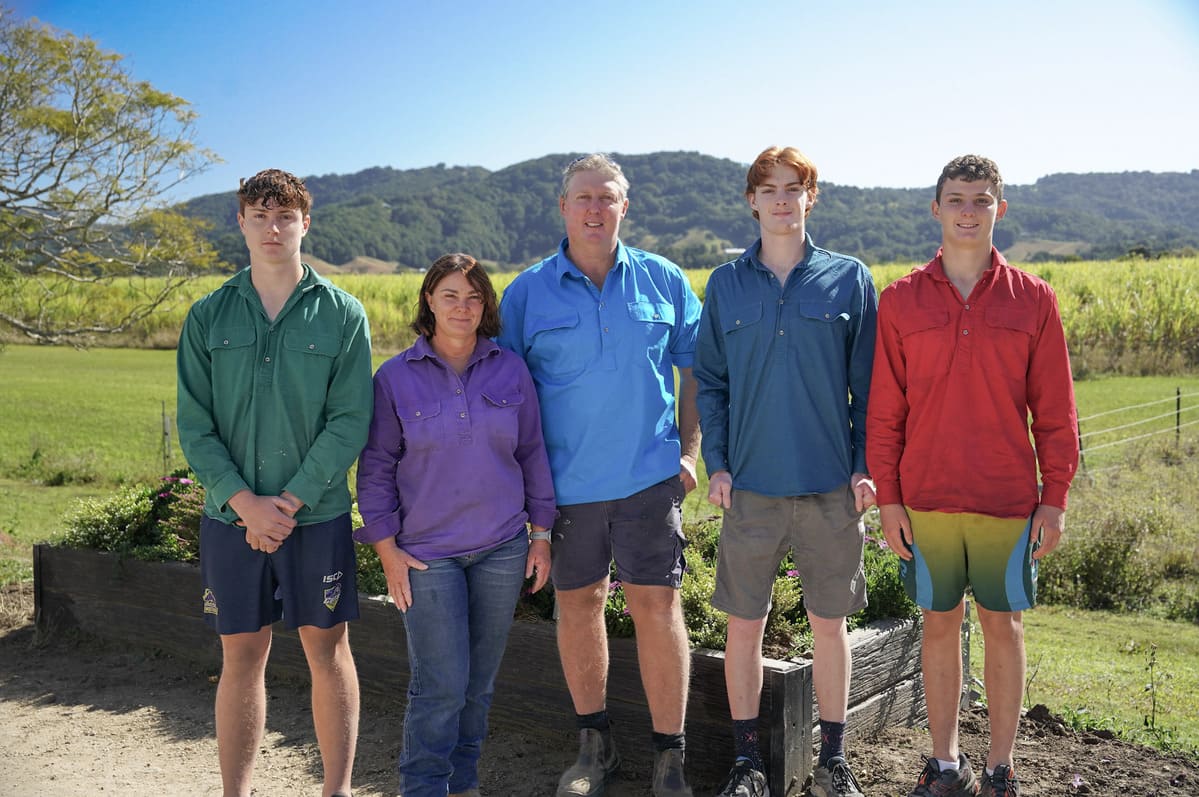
(876, 93)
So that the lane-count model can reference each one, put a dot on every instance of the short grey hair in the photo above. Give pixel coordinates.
(596, 162)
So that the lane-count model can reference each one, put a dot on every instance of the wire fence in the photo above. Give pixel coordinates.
(1158, 423)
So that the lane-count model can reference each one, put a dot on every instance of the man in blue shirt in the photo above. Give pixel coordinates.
(783, 363)
(603, 327)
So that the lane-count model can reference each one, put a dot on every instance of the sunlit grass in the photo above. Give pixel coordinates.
(1093, 667)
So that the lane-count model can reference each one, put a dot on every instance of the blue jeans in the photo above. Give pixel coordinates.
(457, 628)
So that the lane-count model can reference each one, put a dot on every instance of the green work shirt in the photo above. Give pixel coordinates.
(269, 406)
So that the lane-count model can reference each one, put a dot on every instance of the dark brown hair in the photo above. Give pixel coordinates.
(476, 275)
(770, 157)
(274, 187)
(971, 168)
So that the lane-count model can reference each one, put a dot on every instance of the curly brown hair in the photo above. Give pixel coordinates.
(274, 187)
(971, 168)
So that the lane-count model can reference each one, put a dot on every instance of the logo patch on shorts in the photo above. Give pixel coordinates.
(209, 602)
(332, 596)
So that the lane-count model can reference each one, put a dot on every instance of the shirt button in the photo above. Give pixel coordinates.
(226, 341)
(503, 401)
(965, 332)
(738, 322)
(967, 306)
(458, 392)
(266, 359)
(462, 415)
(602, 305)
(780, 301)
(418, 413)
(605, 329)
(311, 346)
(826, 315)
(656, 316)
(780, 332)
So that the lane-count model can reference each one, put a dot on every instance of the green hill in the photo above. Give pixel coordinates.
(689, 207)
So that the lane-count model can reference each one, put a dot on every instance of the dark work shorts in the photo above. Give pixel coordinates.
(642, 534)
(310, 580)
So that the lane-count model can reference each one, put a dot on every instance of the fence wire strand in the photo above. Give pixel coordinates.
(1137, 406)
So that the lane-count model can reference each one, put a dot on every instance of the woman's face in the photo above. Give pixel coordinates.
(457, 306)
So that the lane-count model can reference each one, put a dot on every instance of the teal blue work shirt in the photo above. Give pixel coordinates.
(602, 362)
(269, 406)
(784, 372)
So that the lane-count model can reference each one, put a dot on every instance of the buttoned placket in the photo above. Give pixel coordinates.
(460, 404)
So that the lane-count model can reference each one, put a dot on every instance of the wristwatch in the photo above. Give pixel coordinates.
(539, 535)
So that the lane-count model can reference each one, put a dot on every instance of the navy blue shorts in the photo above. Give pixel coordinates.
(310, 580)
(642, 534)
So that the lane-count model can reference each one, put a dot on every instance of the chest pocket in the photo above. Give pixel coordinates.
(927, 351)
(422, 425)
(557, 351)
(299, 340)
(1011, 318)
(230, 339)
(502, 417)
(1010, 335)
(655, 321)
(921, 321)
(746, 316)
(822, 312)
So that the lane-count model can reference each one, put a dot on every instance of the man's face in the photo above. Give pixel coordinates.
(273, 234)
(968, 211)
(781, 200)
(592, 209)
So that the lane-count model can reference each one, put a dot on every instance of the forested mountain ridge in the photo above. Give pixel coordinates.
(689, 207)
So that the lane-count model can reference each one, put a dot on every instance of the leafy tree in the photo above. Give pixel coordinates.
(86, 152)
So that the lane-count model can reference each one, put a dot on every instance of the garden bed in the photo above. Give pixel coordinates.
(156, 605)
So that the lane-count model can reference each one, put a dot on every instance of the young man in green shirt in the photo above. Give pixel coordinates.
(275, 401)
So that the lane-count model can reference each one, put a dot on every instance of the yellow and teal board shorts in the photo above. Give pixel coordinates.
(955, 550)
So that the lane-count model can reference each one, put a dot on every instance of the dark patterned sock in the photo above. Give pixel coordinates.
(745, 742)
(598, 721)
(832, 740)
(669, 741)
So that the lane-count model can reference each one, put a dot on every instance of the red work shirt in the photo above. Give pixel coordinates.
(953, 385)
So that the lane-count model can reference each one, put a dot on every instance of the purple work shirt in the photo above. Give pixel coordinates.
(453, 465)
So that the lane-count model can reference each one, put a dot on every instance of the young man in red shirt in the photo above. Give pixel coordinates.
(968, 347)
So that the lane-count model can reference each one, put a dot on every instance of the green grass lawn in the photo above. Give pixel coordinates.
(1092, 668)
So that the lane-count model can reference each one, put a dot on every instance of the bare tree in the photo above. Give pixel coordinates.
(86, 155)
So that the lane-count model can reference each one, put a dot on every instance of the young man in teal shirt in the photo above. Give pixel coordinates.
(783, 363)
(275, 401)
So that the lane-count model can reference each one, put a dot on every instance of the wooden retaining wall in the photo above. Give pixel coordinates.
(157, 606)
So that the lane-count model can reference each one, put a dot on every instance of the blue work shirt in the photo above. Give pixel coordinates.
(602, 362)
(784, 372)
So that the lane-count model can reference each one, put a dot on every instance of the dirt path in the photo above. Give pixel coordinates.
(79, 717)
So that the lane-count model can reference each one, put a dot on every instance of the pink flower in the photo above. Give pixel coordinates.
(793, 573)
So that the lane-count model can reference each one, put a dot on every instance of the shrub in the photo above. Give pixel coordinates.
(1100, 566)
(155, 522)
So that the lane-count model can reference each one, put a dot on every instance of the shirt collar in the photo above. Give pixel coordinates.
(752, 255)
(935, 268)
(308, 280)
(565, 266)
(422, 349)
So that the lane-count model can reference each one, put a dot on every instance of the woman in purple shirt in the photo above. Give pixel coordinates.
(454, 469)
